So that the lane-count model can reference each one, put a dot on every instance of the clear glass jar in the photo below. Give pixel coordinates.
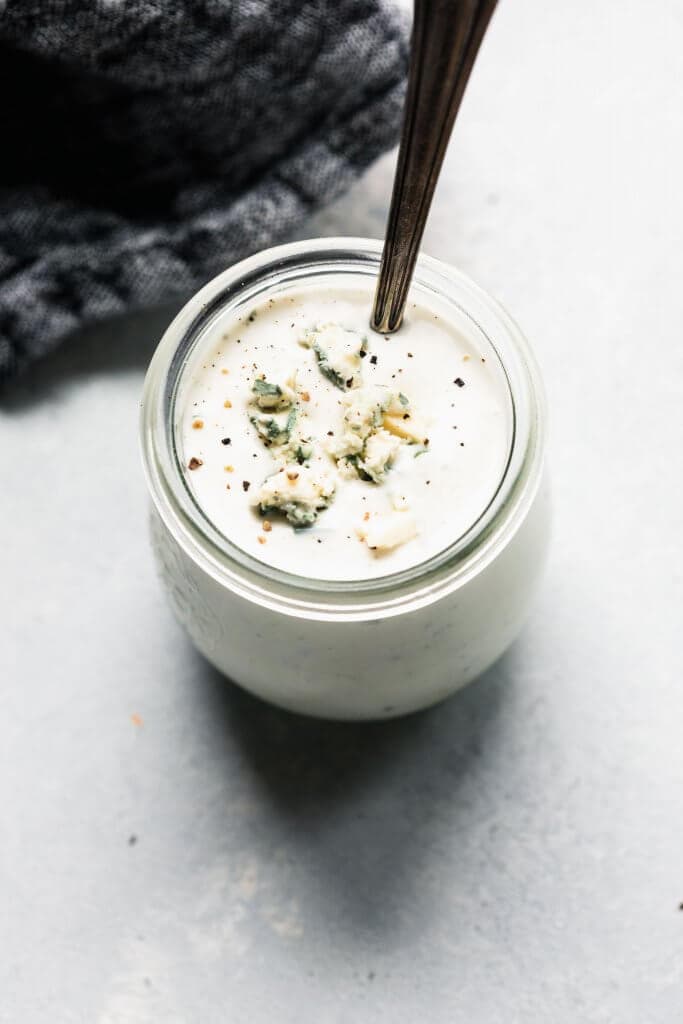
(362, 649)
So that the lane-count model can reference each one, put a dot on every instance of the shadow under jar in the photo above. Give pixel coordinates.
(415, 628)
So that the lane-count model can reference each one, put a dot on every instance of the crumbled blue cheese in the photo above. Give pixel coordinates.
(339, 353)
(399, 419)
(298, 492)
(386, 530)
(274, 429)
(375, 422)
(378, 455)
(300, 447)
(282, 431)
(273, 397)
(363, 412)
(407, 426)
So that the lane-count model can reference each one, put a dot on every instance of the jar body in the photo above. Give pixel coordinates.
(356, 670)
(354, 649)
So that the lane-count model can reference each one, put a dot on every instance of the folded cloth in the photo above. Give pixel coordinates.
(147, 144)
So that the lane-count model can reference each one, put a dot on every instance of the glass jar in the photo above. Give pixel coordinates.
(362, 649)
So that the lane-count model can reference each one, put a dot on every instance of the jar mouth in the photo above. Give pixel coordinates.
(284, 267)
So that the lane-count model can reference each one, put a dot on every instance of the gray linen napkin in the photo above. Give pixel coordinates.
(147, 144)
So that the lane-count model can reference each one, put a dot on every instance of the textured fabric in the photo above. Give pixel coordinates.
(147, 144)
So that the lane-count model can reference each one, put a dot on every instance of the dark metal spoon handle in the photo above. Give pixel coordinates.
(446, 38)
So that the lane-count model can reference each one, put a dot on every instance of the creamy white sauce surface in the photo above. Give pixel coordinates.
(447, 371)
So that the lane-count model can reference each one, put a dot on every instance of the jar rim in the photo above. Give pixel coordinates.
(375, 597)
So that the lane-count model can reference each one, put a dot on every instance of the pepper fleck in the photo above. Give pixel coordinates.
(226, 440)
(373, 360)
(246, 485)
(460, 382)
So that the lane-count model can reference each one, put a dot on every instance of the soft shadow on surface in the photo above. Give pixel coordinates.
(368, 807)
(310, 763)
(113, 346)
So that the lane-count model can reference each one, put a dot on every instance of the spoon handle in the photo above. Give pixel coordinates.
(446, 38)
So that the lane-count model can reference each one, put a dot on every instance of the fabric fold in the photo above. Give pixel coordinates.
(149, 144)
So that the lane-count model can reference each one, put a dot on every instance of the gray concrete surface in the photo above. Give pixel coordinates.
(515, 855)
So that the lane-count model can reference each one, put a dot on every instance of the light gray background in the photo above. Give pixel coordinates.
(515, 855)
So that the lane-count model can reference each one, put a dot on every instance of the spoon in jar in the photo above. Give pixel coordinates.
(445, 41)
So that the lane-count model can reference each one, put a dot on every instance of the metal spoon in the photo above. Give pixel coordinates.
(446, 38)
